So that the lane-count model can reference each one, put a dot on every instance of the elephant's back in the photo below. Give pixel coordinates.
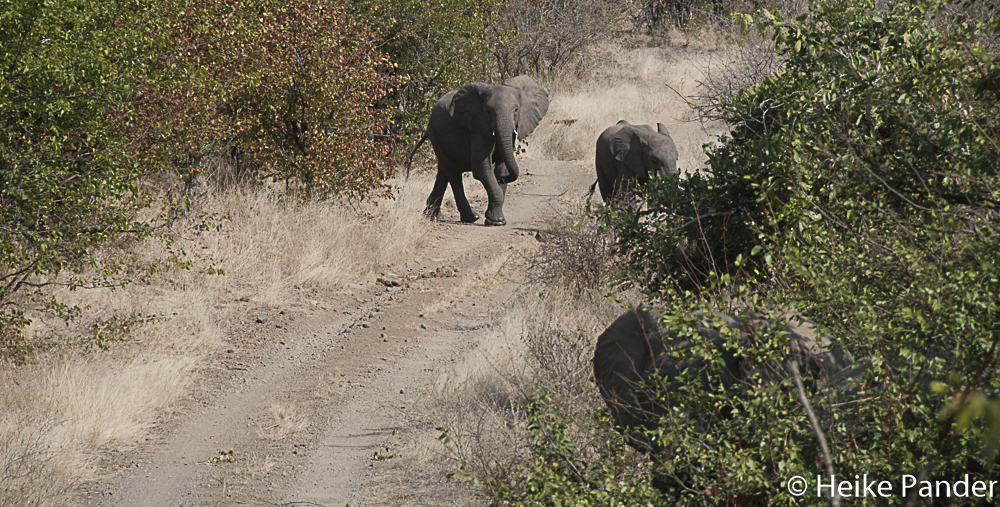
(626, 349)
(603, 153)
(440, 111)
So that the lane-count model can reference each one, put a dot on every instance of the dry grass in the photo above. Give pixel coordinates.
(95, 401)
(62, 406)
(32, 473)
(579, 258)
(541, 342)
(643, 85)
(285, 422)
(52, 415)
(272, 243)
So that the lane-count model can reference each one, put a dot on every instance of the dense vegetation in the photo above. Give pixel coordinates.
(70, 76)
(97, 97)
(859, 186)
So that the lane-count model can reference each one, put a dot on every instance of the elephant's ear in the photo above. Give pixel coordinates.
(661, 128)
(622, 142)
(534, 104)
(467, 108)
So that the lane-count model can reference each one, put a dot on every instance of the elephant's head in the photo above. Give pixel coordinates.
(505, 112)
(644, 151)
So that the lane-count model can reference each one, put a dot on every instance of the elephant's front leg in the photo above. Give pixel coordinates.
(500, 171)
(482, 170)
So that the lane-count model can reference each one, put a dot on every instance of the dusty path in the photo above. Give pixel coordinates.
(316, 399)
(309, 396)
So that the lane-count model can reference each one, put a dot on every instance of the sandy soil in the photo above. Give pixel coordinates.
(318, 401)
(313, 397)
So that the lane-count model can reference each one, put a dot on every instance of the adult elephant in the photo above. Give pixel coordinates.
(634, 347)
(628, 154)
(474, 128)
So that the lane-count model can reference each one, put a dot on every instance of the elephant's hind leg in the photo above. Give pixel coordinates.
(605, 186)
(433, 209)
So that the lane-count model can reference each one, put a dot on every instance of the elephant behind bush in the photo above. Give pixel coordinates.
(629, 154)
(635, 348)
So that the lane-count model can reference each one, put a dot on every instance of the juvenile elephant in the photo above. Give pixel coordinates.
(635, 347)
(628, 154)
(474, 128)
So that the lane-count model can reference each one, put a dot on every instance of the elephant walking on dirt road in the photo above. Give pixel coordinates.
(474, 129)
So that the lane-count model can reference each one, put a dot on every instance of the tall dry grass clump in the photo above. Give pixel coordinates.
(273, 241)
(576, 254)
(53, 414)
(31, 471)
(538, 344)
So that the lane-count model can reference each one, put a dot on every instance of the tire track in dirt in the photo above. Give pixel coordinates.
(345, 366)
(344, 462)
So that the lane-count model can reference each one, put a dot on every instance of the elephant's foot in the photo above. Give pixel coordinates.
(471, 218)
(495, 217)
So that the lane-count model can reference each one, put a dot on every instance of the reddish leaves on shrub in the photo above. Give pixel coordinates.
(289, 85)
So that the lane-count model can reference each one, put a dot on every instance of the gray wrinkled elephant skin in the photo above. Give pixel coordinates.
(474, 129)
(628, 154)
(634, 347)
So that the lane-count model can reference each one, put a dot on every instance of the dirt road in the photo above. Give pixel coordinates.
(310, 398)
(317, 402)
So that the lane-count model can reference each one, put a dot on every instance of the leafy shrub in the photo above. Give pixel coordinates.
(562, 474)
(434, 47)
(67, 172)
(293, 86)
(96, 96)
(858, 186)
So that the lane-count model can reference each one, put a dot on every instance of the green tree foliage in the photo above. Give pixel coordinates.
(435, 47)
(560, 475)
(860, 187)
(68, 70)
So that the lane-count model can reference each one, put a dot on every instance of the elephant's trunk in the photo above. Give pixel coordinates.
(505, 134)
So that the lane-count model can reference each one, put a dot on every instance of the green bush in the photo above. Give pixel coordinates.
(435, 47)
(860, 187)
(560, 474)
(292, 86)
(96, 95)
(67, 173)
